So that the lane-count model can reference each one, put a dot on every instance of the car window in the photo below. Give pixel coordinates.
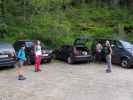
(29, 44)
(64, 48)
(127, 45)
(17, 45)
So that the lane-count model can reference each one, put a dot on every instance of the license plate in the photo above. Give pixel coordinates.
(45, 54)
(3, 56)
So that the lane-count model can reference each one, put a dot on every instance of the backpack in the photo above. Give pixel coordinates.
(107, 51)
(17, 58)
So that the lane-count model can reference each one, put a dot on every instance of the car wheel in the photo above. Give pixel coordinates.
(49, 60)
(46, 61)
(13, 66)
(69, 60)
(124, 63)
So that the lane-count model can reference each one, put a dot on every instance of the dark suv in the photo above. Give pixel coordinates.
(29, 44)
(122, 52)
(7, 55)
(77, 52)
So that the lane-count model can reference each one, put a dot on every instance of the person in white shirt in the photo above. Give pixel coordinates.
(38, 54)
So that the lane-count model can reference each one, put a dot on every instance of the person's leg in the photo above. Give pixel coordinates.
(39, 63)
(36, 63)
(20, 71)
(19, 68)
(98, 57)
(108, 61)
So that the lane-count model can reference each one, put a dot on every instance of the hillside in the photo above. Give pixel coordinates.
(62, 25)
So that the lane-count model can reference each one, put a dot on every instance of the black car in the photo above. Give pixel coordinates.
(29, 44)
(77, 52)
(122, 52)
(7, 55)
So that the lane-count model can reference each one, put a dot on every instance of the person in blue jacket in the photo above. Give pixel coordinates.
(20, 58)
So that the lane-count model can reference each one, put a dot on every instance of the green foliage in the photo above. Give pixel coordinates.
(56, 22)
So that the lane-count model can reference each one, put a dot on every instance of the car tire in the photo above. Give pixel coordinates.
(49, 60)
(46, 61)
(69, 60)
(124, 63)
(13, 66)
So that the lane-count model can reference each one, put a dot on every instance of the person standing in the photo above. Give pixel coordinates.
(38, 54)
(108, 52)
(20, 61)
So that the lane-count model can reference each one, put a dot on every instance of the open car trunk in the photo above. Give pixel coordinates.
(80, 51)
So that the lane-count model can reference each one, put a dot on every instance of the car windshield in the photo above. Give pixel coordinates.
(45, 48)
(29, 44)
(80, 41)
(127, 45)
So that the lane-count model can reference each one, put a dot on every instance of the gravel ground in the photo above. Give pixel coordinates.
(60, 81)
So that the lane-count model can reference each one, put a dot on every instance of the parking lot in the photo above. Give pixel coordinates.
(61, 81)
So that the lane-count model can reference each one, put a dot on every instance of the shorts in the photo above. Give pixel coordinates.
(20, 64)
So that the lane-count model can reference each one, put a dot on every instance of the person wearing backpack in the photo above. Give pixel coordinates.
(20, 61)
(108, 53)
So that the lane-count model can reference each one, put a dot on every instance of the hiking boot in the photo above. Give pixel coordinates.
(39, 70)
(108, 71)
(36, 71)
(21, 77)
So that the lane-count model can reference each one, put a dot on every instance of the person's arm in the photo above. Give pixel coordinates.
(34, 49)
(40, 50)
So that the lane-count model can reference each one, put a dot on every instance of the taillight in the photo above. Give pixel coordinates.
(84, 52)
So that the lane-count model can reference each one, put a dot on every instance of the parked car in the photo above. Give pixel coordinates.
(7, 55)
(122, 52)
(29, 44)
(77, 52)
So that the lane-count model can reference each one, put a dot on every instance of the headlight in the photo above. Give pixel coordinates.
(84, 53)
(43, 51)
(50, 51)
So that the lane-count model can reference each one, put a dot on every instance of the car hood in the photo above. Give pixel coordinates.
(47, 51)
(130, 50)
(6, 48)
